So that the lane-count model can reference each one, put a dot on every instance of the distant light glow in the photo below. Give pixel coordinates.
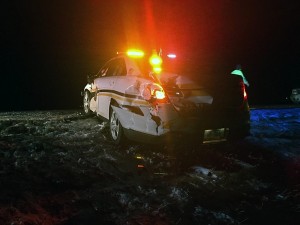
(172, 55)
(135, 53)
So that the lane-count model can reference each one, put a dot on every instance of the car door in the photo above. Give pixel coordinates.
(105, 85)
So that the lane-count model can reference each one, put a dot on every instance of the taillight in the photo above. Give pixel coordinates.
(153, 92)
(245, 93)
(159, 94)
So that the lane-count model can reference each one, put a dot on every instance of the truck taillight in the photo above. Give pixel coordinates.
(245, 93)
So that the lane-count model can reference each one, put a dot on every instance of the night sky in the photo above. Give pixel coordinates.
(48, 47)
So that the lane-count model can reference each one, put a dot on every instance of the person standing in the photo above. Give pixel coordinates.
(238, 72)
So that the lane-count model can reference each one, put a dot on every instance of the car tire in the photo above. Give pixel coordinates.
(115, 128)
(86, 103)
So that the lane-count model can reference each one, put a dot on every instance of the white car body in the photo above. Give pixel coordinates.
(121, 87)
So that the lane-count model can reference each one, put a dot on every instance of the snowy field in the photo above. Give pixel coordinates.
(59, 167)
(277, 129)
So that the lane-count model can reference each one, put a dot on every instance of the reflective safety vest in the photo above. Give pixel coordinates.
(240, 73)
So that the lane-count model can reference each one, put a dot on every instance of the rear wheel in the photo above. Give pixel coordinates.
(86, 103)
(115, 128)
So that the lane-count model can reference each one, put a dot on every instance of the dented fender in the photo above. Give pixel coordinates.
(153, 119)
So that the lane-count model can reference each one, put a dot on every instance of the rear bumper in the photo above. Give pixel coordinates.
(236, 127)
(169, 124)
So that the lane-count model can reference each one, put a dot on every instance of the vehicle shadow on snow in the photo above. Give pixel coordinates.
(253, 180)
(179, 157)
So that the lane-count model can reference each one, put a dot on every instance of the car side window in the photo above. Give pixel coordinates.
(120, 68)
(116, 68)
(103, 71)
(110, 70)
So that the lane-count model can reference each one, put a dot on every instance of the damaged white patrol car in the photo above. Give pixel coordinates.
(144, 100)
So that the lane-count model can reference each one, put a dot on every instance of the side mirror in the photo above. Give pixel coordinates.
(90, 78)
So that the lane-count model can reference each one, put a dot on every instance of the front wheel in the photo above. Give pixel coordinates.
(115, 128)
(86, 103)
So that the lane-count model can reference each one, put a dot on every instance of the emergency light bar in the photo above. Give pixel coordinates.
(135, 53)
(171, 55)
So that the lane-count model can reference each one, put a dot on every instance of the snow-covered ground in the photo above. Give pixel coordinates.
(59, 167)
(277, 130)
